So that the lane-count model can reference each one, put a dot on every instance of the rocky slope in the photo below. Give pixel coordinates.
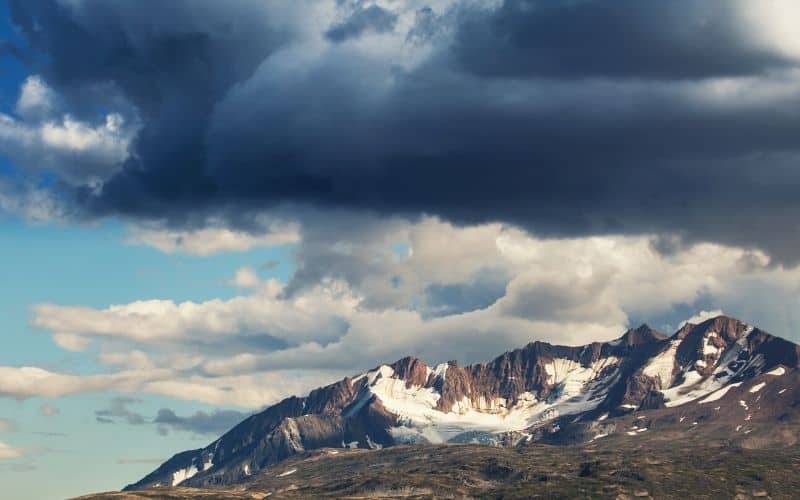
(721, 377)
(651, 466)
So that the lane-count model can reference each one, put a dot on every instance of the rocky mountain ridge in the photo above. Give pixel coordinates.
(721, 372)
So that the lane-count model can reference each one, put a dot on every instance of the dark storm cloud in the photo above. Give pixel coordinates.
(629, 38)
(201, 422)
(361, 20)
(567, 118)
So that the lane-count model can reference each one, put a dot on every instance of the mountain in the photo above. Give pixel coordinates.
(719, 378)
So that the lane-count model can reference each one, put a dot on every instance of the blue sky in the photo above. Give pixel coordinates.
(92, 265)
(210, 206)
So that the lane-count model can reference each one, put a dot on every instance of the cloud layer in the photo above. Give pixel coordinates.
(394, 288)
(565, 118)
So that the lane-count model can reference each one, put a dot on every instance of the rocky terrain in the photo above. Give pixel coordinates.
(721, 385)
(618, 468)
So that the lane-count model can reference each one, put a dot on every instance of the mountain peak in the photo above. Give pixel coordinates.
(413, 370)
(641, 335)
(727, 326)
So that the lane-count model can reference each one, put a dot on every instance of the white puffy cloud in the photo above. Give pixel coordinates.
(316, 316)
(211, 240)
(36, 99)
(44, 140)
(246, 277)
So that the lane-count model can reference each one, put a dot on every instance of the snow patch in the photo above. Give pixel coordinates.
(372, 445)
(728, 367)
(663, 364)
(777, 372)
(710, 349)
(182, 475)
(441, 370)
(383, 371)
(757, 387)
(719, 394)
(287, 473)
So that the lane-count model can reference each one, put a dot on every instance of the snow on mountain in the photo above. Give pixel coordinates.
(540, 392)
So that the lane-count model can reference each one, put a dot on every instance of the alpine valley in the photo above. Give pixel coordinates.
(719, 385)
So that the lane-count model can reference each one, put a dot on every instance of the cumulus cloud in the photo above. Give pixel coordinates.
(433, 163)
(319, 316)
(46, 140)
(565, 118)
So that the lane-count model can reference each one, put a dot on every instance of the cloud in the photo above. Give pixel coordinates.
(362, 19)
(246, 277)
(118, 411)
(370, 290)
(200, 422)
(43, 139)
(253, 390)
(702, 316)
(47, 410)
(211, 240)
(30, 203)
(674, 40)
(320, 316)
(8, 452)
(568, 119)
(36, 99)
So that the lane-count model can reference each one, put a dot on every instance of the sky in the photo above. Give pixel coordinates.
(208, 206)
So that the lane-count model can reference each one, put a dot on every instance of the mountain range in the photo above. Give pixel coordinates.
(721, 378)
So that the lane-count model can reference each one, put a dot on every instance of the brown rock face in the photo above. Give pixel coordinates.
(412, 370)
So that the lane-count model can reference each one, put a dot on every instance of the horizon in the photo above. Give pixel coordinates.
(207, 207)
